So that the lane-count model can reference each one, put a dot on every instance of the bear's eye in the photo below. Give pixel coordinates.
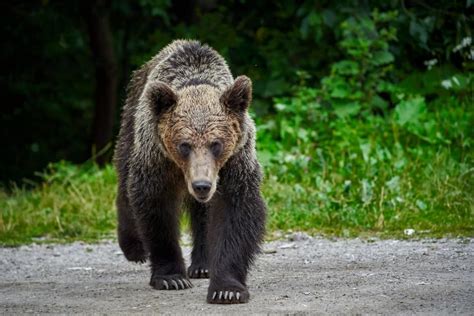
(216, 148)
(184, 149)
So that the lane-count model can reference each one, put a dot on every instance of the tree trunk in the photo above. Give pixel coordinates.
(96, 15)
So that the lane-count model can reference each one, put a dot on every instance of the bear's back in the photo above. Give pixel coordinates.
(187, 62)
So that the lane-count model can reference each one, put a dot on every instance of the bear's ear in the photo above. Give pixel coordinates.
(160, 96)
(238, 96)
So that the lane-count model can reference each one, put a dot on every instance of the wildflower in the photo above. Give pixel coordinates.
(447, 84)
(465, 42)
(430, 63)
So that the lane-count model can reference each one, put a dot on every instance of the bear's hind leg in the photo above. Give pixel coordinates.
(199, 267)
(128, 238)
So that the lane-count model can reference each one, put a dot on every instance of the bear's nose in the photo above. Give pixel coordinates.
(201, 187)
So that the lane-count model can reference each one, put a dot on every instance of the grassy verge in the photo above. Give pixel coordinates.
(434, 200)
(72, 203)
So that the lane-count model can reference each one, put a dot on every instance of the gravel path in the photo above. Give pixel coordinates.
(307, 275)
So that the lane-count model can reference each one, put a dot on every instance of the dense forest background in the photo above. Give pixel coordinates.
(65, 64)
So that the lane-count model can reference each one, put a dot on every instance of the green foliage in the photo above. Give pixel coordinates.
(410, 169)
(342, 159)
(355, 83)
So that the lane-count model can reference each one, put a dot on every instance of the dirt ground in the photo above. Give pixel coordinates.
(302, 276)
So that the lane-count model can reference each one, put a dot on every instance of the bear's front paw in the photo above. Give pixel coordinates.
(198, 271)
(227, 295)
(170, 282)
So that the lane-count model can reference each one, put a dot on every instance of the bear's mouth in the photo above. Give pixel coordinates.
(202, 190)
(202, 199)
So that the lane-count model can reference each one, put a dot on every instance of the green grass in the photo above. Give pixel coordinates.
(434, 198)
(72, 203)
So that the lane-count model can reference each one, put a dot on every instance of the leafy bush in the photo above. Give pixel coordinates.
(376, 174)
(355, 83)
(338, 158)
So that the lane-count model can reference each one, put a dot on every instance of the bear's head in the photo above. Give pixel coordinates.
(200, 128)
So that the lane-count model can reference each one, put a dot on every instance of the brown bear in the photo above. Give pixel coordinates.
(187, 140)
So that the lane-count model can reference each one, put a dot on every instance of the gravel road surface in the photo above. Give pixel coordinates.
(299, 276)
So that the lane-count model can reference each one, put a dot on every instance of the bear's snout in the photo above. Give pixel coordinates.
(202, 188)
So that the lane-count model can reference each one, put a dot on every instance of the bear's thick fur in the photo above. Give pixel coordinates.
(186, 140)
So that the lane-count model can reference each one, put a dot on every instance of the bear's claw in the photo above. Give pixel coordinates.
(199, 273)
(228, 297)
(170, 282)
